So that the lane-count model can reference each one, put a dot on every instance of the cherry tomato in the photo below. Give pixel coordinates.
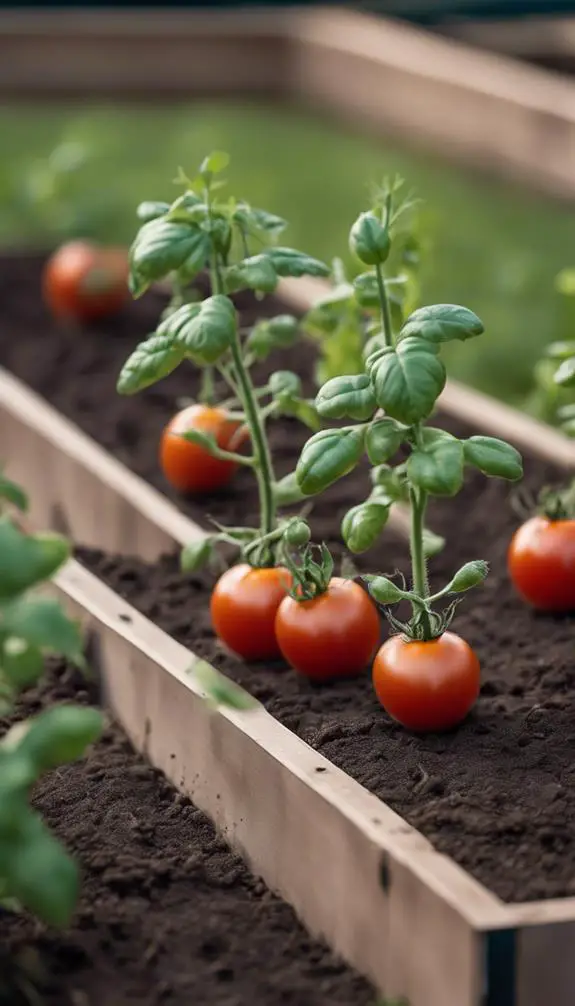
(84, 282)
(330, 636)
(541, 563)
(427, 686)
(243, 607)
(189, 467)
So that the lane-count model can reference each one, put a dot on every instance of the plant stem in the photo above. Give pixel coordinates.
(256, 425)
(385, 311)
(418, 504)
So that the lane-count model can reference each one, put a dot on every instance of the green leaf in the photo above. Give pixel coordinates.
(162, 246)
(42, 622)
(433, 543)
(437, 466)
(363, 524)
(151, 361)
(41, 875)
(384, 591)
(196, 554)
(26, 560)
(215, 163)
(60, 735)
(565, 374)
(350, 396)
(12, 493)
(391, 482)
(493, 457)
(289, 262)
(383, 440)
(328, 456)
(220, 690)
(259, 220)
(300, 409)
(203, 331)
(408, 379)
(276, 333)
(256, 273)
(560, 350)
(150, 210)
(442, 323)
(287, 491)
(369, 239)
(285, 382)
(21, 664)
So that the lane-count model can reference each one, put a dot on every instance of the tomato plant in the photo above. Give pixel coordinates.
(35, 871)
(84, 282)
(327, 627)
(235, 243)
(390, 403)
(541, 554)
(243, 607)
(187, 465)
(427, 685)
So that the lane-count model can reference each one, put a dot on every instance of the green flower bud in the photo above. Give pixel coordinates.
(298, 533)
(469, 576)
(370, 240)
(384, 591)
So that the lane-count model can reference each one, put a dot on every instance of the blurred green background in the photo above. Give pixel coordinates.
(493, 246)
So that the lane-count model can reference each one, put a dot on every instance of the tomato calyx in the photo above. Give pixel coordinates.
(425, 623)
(553, 502)
(310, 578)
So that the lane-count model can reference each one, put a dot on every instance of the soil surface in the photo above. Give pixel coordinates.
(168, 916)
(498, 794)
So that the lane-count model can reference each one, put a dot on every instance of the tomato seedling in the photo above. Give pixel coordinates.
(327, 627)
(541, 554)
(201, 231)
(85, 282)
(426, 677)
(35, 871)
(347, 315)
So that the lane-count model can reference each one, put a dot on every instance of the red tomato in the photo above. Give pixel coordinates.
(243, 608)
(189, 467)
(426, 686)
(541, 563)
(331, 636)
(84, 282)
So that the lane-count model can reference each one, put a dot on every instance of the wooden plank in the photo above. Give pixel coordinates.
(355, 872)
(77, 487)
(153, 54)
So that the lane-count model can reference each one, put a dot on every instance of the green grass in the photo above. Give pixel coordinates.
(494, 247)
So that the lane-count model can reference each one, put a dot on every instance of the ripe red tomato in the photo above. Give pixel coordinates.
(330, 636)
(84, 282)
(189, 467)
(427, 686)
(243, 608)
(541, 563)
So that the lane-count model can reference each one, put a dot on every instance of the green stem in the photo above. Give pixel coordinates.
(418, 504)
(385, 311)
(256, 425)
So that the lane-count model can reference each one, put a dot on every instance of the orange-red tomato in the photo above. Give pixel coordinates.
(427, 686)
(330, 636)
(541, 563)
(189, 467)
(84, 282)
(243, 607)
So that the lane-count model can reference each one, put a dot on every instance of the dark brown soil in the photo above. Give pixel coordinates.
(499, 793)
(169, 916)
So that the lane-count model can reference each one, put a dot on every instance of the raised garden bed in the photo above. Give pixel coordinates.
(495, 796)
(169, 914)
